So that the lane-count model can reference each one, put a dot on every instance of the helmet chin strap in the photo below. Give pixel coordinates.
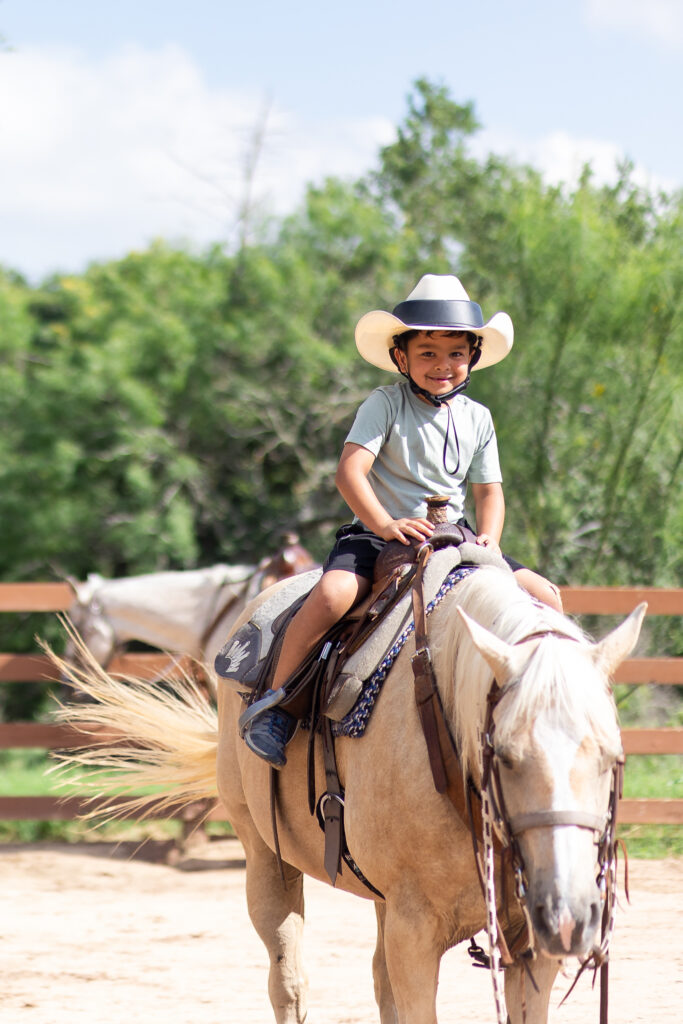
(436, 400)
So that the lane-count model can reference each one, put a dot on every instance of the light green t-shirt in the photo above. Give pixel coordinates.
(407, 436)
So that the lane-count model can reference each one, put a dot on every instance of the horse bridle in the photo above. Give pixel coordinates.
(509, 828)
(442, 755)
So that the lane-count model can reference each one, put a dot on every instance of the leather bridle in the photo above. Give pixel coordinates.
(511, 827)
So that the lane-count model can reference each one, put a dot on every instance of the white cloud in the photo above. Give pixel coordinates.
(560, 158)
(660, 19)
(97, 159)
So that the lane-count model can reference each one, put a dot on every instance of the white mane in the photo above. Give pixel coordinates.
(559, 680)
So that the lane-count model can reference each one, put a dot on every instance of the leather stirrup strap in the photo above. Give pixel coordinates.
(273, 817)
(443, 754)
(426, 694)
(332, 806)
(331, 818)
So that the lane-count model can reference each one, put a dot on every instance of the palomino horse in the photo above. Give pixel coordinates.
(188, 612)
(556, 741)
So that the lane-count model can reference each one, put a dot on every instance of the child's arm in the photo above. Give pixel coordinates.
(353, 485)
(489, 505)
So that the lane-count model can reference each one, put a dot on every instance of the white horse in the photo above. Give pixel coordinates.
(556, 740)
(188, 613)
(185, 612)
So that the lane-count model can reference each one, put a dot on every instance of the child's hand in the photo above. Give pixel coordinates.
(488, 542)
(406, 530)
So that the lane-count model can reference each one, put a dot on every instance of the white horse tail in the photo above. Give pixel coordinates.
(138, 736)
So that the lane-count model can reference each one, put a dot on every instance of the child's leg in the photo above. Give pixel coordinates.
(268, 732)
(335, 593)
(539, 587)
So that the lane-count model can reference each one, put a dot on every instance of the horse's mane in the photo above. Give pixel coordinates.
(559, 680)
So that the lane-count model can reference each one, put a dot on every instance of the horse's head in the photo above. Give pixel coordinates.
(90, 621)
(554, 744)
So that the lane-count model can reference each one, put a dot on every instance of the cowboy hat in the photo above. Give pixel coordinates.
(437, 302)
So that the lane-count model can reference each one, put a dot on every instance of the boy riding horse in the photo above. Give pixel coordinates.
(417, 437)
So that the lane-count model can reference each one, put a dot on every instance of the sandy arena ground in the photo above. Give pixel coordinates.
(91, 936)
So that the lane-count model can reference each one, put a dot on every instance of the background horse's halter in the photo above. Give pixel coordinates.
(493, 821)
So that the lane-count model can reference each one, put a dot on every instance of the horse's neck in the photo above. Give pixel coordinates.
(168, 610)
(495, 601)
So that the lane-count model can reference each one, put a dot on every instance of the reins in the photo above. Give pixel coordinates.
(490, 825)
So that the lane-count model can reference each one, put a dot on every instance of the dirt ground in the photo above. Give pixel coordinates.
(90, 934)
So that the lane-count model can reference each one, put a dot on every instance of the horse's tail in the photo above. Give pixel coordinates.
(148, 747)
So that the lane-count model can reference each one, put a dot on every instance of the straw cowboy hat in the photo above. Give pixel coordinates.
(437, 302)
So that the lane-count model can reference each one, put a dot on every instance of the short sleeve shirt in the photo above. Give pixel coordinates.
(419, 451)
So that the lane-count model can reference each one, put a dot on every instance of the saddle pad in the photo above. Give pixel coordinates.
(238, 661)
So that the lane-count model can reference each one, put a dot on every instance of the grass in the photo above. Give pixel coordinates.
(659, 777)
(652, 842)
(22, 773)
(654, 776)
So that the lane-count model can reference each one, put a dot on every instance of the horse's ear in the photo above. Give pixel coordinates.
(617, 645)
(504, 660)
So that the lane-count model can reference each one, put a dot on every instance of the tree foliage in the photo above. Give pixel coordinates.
(172, 409)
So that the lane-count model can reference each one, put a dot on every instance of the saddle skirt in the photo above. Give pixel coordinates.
(241, 660)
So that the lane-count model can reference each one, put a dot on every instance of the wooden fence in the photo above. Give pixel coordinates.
(54, 597)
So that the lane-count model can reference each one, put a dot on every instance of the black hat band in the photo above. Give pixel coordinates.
(443, 313)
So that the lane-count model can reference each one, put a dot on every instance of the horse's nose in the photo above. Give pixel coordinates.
(565, 929)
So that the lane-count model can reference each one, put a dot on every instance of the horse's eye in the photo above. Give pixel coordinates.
(505, 759)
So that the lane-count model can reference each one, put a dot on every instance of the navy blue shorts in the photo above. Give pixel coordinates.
(356, 550)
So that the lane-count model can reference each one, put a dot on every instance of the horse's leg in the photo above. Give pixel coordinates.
(384, 995)
(519, 988)
(277, 914)
(413, 955)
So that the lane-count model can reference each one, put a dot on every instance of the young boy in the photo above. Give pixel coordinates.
(418, 437)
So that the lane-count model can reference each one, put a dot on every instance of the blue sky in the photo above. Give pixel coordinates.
(121, 122)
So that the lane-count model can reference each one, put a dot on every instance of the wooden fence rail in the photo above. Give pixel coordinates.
(57, 597)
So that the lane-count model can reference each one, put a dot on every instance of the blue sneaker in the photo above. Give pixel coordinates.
(267, 731)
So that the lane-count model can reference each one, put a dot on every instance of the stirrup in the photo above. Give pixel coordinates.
(270, 700)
